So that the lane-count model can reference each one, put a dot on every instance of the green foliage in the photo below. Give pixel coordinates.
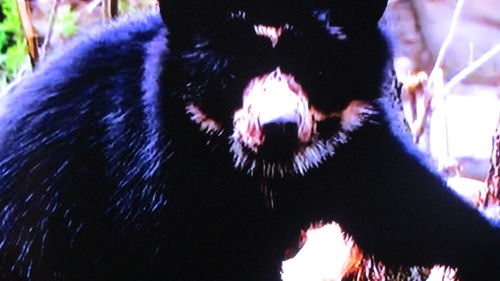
(71, 16)
(128, 6)
(66, 21)
(124, 6)
(13, 49)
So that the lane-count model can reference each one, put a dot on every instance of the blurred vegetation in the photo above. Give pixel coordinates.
(12, 43)
(66, 21)
(55, 22)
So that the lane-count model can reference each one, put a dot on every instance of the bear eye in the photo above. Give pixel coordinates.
(324, 17)
(337, 32)
(237, 15)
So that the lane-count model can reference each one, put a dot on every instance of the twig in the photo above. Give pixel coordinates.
(90, 7)
(447, 41)
(52, 20)
(491, 194)
(471, 68)
(24, 8)
(436, 79)
(109, 9)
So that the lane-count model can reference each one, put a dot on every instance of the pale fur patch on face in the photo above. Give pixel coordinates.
(271, 32)
(355, 113)
(207, 124)
(351, 117)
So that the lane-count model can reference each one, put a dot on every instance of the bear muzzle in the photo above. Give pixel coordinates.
(275, 118)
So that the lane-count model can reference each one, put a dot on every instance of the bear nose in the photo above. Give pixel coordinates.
(280, 140)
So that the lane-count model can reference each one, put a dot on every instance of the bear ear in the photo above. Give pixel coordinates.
(354, 13)
(187, 14)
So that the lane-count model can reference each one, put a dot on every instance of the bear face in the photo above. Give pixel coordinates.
(262, 76)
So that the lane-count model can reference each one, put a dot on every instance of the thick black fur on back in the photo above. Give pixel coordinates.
(105, 176)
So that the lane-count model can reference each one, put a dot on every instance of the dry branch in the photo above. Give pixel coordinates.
(24, 8)
(492, 194)
(52, 19)
(109, 9)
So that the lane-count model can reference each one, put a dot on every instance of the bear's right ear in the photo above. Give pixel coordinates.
(188, 14)
(353, 13)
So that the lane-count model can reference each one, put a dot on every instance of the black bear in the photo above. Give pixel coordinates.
(196, 143)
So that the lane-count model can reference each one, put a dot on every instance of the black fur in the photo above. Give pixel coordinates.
(103, 176)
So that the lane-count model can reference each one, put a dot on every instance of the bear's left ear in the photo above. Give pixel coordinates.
(188, 14)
